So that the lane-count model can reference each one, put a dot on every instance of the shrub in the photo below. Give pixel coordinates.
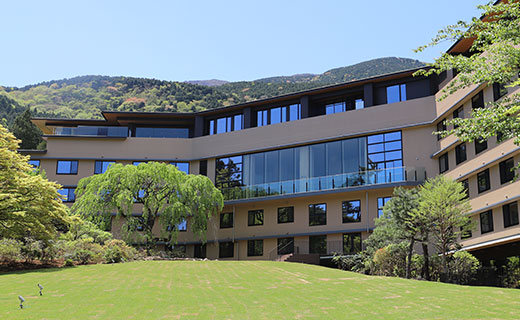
(390, 260)
(83, 256)
(117, 251)
(10, 250)
(512, 273)
(32, 249)
(463, 267)
(69, 263)
(355, 262)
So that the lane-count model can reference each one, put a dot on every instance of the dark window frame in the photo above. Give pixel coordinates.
(290, 215)
(487, 215)
(73, 172)
(230, 222)
(222, 250)
(318, 244)
(317, 219)
(510, 216)
(480, 146)
(441, 126)
(444, 164)
(98, 164)
(253, 250)
(349, 242)
(477, 101)
(345, 213)
(255, 217)
(71, 194)
(499, 90)
(506, 169)
(461, 153)
(285, 245)
(484, 177)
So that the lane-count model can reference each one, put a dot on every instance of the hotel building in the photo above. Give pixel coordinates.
(305, 174)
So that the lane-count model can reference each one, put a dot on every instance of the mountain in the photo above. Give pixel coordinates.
(85, 96)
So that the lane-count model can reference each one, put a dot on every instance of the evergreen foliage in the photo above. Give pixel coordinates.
(26, 131)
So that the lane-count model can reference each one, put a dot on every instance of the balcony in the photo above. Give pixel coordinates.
(325, 183)
(92, 131)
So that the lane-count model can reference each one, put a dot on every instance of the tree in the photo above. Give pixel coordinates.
(444, 202)
(26, 131)
(493, 58)
(29, 203)
(163, 191)
(400, 209)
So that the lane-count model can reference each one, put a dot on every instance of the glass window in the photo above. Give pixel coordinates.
(255, 248)
(499, 90)
(285, 246)
(335, 108)
(486, 221)
(221, 125)
(443, 163)
(359, 104)
(200, 251)
(351, 211)
(68, 194)
(255, 217)
(441, 126)
(34, 163)
(276, 115)
(465, 184)
(318, 244)
(317, 160)
(67, 167)
(228, 172)
(271, 162)
(351, 243)
(396, 93)
(294, 112)
(480, 146)
(458, 114)
(102, 166)
(381, 204)
(136, 163)
(334, 158)
(286, 215)
(226, 124)
(261, 118)
(466, 231)
(238, 122)
(226, 220)
(287, 167)
(318, 214)
(477, 101)
(182, 226)
(182, 166)
(510, 212)
(226, 249)
(483, 182)
(460, 153)
(507, 172)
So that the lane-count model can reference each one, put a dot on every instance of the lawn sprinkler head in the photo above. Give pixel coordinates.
(41, 288)
(21, 301)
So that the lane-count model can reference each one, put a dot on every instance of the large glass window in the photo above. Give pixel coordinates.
(142, 132)
(351, 211)
(381, 204)
(103, 131)
(318, 244)
(460, 153)
(443, 163)
(441, 126)
(286, 215)
(255, 217)
(285, 246)
(396, 93)
(255, 248)
(34, 163)
(480, 145)
(477, 101)
(510, 213)
(351, 243)
(506, 170)
(67, 167)
(499, 90)
(465, 184)
(226, 124)
(68, 194)
(486, 221)
(200, 251)
(102, 166)
(182, 166)
(385, 151)
(226, 249)
(226, 220)
(229, 172)
(318, 214)
(278, 115)
(483, 181)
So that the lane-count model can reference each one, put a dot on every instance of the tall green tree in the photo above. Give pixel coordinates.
(494, 58)
(444, 202)
(152, 190)
(30, 205)
(26, 131)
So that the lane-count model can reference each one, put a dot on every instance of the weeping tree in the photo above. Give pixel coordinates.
(148, 192)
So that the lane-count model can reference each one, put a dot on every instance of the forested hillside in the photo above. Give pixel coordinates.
(85, 96)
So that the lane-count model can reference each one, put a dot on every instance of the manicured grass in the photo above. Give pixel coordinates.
(241, 290)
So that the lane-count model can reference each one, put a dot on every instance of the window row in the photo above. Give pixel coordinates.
(100, 166)
(351, 212)
(351, 244)
(226, 124)
(509, 215)
(278, 115)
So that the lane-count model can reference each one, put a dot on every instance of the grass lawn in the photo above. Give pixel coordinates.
(241, 290)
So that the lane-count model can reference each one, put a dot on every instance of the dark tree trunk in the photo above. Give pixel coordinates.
(426, 270)
(409, 262)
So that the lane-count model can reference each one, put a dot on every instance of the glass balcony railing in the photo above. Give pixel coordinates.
(333, 182)
(100, 131)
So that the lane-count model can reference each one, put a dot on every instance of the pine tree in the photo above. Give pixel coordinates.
(26, 131)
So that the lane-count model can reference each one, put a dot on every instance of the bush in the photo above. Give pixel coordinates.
(32, 249)
(117, 251)
(390, 260)
(83, 256)
(512, 273)
(69, 263)
(463, 267)
(10, 250)
(355, 262)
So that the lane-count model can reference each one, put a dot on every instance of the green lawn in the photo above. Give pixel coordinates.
(241, 290)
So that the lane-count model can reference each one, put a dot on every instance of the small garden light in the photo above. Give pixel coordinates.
(21, 301)
(41, 288)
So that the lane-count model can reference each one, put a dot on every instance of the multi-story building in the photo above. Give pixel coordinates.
(307, 172)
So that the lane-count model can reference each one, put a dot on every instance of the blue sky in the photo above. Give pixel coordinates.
(229, 40)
